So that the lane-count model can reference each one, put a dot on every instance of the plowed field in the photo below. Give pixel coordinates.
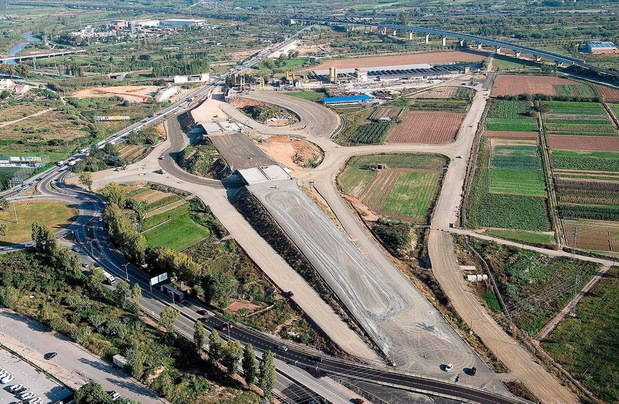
(511, 135)
(427, 127)
(609, 94)
(525, 84)
(587, 143)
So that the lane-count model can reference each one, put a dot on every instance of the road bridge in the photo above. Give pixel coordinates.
(480, 40)
(19, 58)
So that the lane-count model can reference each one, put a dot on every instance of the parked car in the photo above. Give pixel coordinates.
(17, 388)
(7, 379)
(114, 394)
(448, 367)
(50, 355)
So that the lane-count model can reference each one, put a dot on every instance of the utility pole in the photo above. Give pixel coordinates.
(15, 213)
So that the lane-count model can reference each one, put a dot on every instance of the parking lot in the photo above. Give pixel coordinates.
(35, 381)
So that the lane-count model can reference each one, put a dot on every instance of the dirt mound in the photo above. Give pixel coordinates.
(129, 93)
(296, 154)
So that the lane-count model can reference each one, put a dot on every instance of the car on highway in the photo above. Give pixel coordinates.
(282, 348)
(224, 327)
(50, 355)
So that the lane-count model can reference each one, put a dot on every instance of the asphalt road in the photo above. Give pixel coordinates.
(72, 357)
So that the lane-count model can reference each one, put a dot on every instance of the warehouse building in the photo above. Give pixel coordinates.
(346, 100)
(598, 47)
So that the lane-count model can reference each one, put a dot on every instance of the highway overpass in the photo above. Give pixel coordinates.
(496, 43)
(19, 58)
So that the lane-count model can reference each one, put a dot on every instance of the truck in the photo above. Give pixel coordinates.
(171, 291)
(109, 278)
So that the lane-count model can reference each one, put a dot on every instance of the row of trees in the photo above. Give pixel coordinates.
(229, 354)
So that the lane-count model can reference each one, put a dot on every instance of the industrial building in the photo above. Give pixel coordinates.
(346, 100)
(415, 71)
(598, 47)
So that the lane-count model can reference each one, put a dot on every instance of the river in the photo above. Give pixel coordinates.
(18, 47)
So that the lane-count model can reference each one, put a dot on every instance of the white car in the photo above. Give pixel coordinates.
(25, 396)
(7, 379)
(17, 388)
(33, 400)
(448, 367)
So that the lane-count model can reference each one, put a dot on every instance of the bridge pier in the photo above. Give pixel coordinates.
(384, 31)
(538, 59)
(498, 51)
(444, 41)
(427, 39)
(461, 43)
(395, 32)
(517, 54)
(479, 46)
(410, 36)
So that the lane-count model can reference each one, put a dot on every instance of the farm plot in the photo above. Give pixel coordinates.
(582, 143)
(509, 198)
(570, 190)
(527, 84)
(440, 104)
(574, 108)
(446, 92)
(510, 109)
(386, 113)
(514, 135)
(575, 90)
(405, 193)
(511, 125)
(608, 93)
(592, 235)
(587, 161)
(427, 127)
(371, 133)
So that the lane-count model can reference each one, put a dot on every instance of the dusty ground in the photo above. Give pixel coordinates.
(588, 143)
(511, 135)
(431, 58)
(208, 111)
(506, 84)
(289, 151)
(129, 93)
(364, 211)
(432, 127)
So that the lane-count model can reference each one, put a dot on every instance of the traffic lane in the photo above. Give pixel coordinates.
(73, 357)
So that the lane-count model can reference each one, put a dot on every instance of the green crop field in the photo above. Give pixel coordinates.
(615, 108)
(371, 133)
(412, 195)
(520, 157)
(439, 104)
(596, 161)
(509, 109)
(587, 344)
(591, 212)
(575, 108)
(418, 161)
(575, 90)
(526, 210)
(506, 124)
(179, 234)
(354, 180)
(525, 236)
(517, 182)
(155, 220)
(394, 191)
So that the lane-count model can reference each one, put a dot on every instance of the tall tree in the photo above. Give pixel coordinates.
(232, 354)
(250, 370)
(215, 347)
(136, 293)
(3, 229)
(267, 374)
(4, 204)
(199, 336)
(86, 179)
(44, 239)
(167, 317)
